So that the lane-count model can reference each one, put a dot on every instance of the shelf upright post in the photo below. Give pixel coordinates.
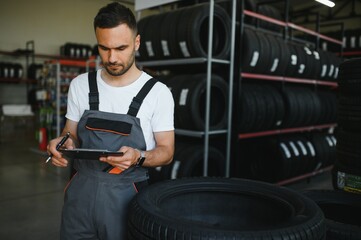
(230, 87)
(58, 80)
(236, 83)
(286, 19)
(89, 61)
(317, 43)
(30, 46)
(208, 88)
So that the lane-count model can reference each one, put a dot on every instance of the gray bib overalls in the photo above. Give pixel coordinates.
(95, 202)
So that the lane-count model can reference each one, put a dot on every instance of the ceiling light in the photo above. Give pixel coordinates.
(326, 2)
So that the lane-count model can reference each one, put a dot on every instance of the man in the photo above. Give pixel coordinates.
(118, 108)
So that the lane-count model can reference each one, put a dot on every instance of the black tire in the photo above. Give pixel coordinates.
(349, 142)
(143, 26)
(342, 211)
(323, 149)
(261, 108)
(292, 106)
(328, 106)
(167, 34)
(188, 162)
(175, 83)
(219, 208)
(279, 105)
(272, 164)
(153, 42)
(272, 12)
(256, 52)
(192, 33)
(247, 112)
(192, 99)
(265, 60)
(303, 69)
(275, 54)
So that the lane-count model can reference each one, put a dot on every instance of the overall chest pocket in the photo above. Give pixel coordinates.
(109, 126)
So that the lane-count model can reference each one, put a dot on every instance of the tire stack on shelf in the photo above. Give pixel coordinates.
(188, 161)
(189, 96)
(261, 107)
(171, 35)
(264, 106)
(351, 41)
(11, 71)
(347, 169)
(183, 33)
(274, 159)
(264, 53)
(76, 50)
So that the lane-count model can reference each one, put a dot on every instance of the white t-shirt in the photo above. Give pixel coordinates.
(156, 113)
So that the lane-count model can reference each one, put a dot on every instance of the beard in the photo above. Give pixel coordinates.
(123, 67)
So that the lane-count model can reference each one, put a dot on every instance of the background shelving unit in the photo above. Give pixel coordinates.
(26, 54)
(58, 76)
(264, 77)
(209, 61)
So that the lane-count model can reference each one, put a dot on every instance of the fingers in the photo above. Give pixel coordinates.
(122, 162)
(57, 158)
(59, 162)
(69, 144)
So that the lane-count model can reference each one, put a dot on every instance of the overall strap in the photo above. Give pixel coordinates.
(137, 100)
(93, 91)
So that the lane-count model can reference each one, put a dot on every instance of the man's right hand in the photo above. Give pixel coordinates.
(57, 158)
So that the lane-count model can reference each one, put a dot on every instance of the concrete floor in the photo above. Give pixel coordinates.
(32, 192)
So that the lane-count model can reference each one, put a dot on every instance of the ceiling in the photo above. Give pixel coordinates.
(343, 9)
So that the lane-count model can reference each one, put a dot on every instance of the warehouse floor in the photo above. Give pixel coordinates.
(32, 192)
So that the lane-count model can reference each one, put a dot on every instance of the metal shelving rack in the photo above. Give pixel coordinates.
(209, 61)
(239, 74)
(54, 71)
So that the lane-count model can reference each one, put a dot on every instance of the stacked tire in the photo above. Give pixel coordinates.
(347, 170)
(76, 50)
(342, 211)
(351, 41)
(11, 70)
(188, 162)
(183, 33)
(219, 208)
(189, 93)
(265, 107)
(261, 107)
(274, 159)
(263, 8)
(265, 53)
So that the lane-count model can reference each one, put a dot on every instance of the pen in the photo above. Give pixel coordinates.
(62, 141)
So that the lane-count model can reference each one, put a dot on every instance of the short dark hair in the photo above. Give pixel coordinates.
(113, 15)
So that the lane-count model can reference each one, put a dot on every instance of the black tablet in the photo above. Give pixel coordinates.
(91, 154)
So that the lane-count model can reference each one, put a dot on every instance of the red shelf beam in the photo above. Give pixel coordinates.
(352, 53)
(288, 79)
(304, 176)
(283, 131)
(291, 25)
(74, 63)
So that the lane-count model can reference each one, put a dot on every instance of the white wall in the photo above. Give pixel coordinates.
(50, 23)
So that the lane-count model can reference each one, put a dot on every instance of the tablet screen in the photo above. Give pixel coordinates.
(91, 154)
